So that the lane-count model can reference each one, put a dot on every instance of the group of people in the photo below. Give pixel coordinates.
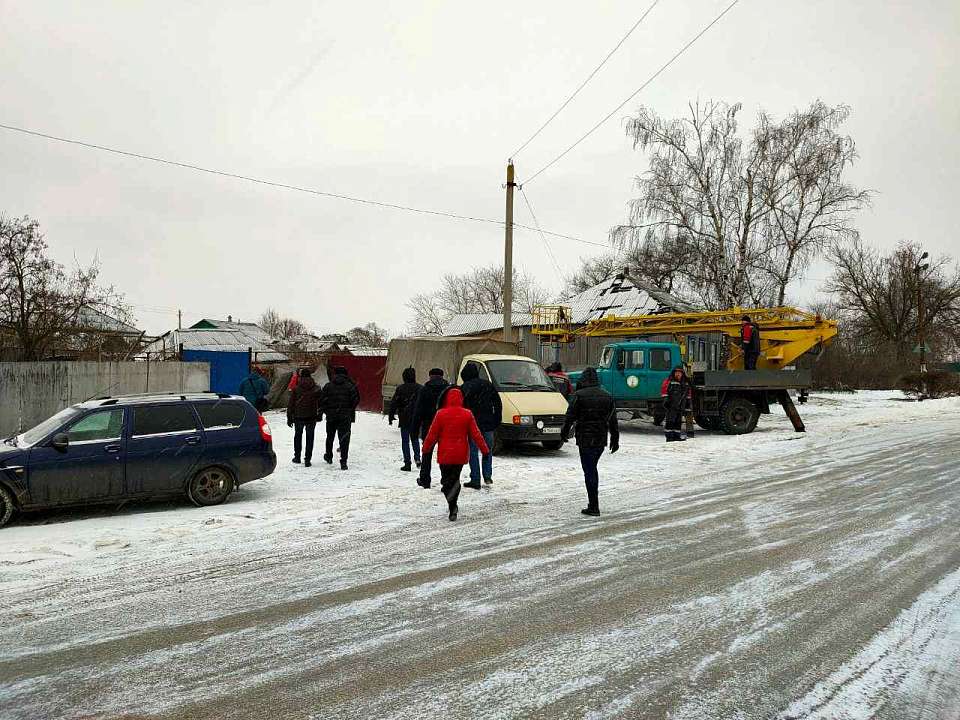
(459, 422)
(309, 404)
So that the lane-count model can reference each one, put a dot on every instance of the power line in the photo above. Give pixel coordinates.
(546, 245)
(248, 178)
(649, 80)
(587, 80)
(284, 186)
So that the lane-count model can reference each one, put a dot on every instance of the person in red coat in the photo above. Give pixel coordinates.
(451, 431)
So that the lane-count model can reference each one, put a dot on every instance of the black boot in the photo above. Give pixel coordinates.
(406, 467)
(453, 513)
(472, 485)
(343, 464)
(306, 463)
(595, 512)
(328, 459)
(296, 459)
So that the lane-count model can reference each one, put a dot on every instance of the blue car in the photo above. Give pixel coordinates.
(136, 447)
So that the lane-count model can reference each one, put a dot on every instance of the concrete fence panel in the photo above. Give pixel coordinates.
(33, 391)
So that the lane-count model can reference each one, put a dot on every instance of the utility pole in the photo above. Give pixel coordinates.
(179, 319)
(921, 348)
(508, 259)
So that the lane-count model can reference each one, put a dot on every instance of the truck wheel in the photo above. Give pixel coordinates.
(210, 486)
(708, 422)
(552, 444)
(7, 506)
(738, 416)
(658, 418)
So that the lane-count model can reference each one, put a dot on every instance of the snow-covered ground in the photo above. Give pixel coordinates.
(810, 575)
(373, 495)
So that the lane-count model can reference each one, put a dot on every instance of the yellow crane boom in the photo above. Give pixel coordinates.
(786, 333)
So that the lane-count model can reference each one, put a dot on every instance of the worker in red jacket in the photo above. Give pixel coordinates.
(451, 431)
(750, 342)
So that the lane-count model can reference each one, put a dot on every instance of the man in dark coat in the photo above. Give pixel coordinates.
(255, 389)
(339, 402)
(482, 399)
(303, 411)
(593, 410)
(428, 400)
(750, 342)
(402, 405)
(675, 392)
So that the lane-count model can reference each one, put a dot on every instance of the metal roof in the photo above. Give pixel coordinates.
(93, 319)
(250, 328)
(474, 323)
(364, 351)
(221, 340)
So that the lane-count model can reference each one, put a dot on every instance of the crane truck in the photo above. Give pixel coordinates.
(725, 397)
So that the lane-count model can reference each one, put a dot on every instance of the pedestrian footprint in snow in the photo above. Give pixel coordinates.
(451, 431)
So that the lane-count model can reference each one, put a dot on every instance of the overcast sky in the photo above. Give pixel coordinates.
(420, 103)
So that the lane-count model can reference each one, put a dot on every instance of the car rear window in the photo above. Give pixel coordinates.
(216, 416)
(158, 419)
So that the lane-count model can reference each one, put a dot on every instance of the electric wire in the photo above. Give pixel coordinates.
(649, 80)
(587, 80)
(284, 186)
(543, 237)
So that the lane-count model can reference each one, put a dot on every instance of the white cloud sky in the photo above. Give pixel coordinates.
(419, 103)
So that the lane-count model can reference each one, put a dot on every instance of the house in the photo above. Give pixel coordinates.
(616, 296)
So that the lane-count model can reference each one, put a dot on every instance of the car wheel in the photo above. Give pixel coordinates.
(552, 444)
(210, 486)
(739, 416)
(7, 506)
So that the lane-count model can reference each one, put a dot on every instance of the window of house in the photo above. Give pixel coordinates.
(159, 419)
(103, 425)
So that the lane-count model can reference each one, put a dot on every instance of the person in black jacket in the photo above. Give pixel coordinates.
(482, 399)
(428, 400)
(750, 342)
(303, 410)
(339, 402)
(593, 410)
(402, 404)
(676, 393)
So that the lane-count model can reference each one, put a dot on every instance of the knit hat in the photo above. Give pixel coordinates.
(436, 372)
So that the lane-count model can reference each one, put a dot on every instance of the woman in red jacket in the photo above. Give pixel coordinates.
(452, 429)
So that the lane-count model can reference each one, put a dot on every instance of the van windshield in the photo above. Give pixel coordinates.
(38, 433)
(519, 376)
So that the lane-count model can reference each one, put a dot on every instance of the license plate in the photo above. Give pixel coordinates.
(551, 431)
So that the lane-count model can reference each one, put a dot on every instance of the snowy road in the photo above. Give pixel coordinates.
(766, 576)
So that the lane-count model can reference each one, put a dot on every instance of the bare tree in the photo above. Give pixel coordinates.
(369, 335)
(479, 290)
(280, 327)
(44, 306)
(877, 296)
(809, 204)
(741, 218)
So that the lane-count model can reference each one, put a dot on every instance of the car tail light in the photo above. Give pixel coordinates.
(265, 432)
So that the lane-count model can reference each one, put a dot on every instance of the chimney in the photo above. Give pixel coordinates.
(229, 318)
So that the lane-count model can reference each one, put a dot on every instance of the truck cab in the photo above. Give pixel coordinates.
(533, 409)
(634, 371)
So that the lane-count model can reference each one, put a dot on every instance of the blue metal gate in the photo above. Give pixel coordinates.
(227, 369)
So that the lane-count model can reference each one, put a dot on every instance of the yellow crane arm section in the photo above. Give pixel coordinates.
(786, 333)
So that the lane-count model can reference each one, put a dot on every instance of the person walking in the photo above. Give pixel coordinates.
(255, 389)
(452, 430)
(593, 410)
(750, 342)
(428, 399)
(402, 405)
(303, 410)
(675, 391)
(482, 399)
(339, 403)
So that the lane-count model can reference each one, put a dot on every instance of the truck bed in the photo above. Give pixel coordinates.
(753, 379)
